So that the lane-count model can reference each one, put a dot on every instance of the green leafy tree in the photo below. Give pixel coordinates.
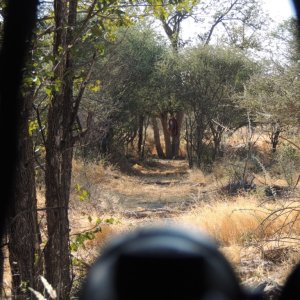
(241, 19)
(123, 102)
(211, 76)
(165, 92)
(273, 100)
(272, 97)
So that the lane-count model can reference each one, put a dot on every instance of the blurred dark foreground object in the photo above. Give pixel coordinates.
(162, 263)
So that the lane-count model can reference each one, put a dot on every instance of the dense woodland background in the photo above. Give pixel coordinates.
(115, 82)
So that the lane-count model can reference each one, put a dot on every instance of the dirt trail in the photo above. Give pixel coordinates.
(160, 185)
(158, 189)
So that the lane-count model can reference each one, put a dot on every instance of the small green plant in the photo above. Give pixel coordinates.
(82, 193)
(81, 238)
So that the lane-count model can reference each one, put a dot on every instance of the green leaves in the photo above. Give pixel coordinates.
(81, 238)
(33, 126)
(110, 221)
(82, 193)
(95, 86)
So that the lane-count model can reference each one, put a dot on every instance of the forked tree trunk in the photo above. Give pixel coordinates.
(217, 132)
(159, 150)
(24, 238)
(168, 146)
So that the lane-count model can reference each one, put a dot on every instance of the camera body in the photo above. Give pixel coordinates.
(164, 263)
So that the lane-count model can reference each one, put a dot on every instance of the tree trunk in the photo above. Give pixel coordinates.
(164, 123)
(59, 153)
(275, 136)
(1, 269)
(57, 253)
(176, 139)
(24, 237)
(199, 135)
(142, 155)
(25, 256)
(159, 150)
(217, 133)
(19, 23)
(189, 142)
(140, 134)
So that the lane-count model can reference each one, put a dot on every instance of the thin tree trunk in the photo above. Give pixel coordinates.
(176, 139)
(142, 156)
(156, 134)
(140, 134)
(24, 237)
(164, 123)
(276, 130)
(189, 142)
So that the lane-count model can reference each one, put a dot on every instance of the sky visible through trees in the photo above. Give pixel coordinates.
(278, 10)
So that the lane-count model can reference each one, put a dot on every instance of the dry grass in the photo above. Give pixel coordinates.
(244, 229)
(248, 233)
(196, 176)
(95, 173)
(257, 243)
(242, 222)
(232, 221)
(229, 222)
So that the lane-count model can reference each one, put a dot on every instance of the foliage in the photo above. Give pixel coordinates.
(287, 37)
(211, 76)
(82, 193)
(289, 161)
(125, 75)
(171, 15)
(274, 97)
(78, 240)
